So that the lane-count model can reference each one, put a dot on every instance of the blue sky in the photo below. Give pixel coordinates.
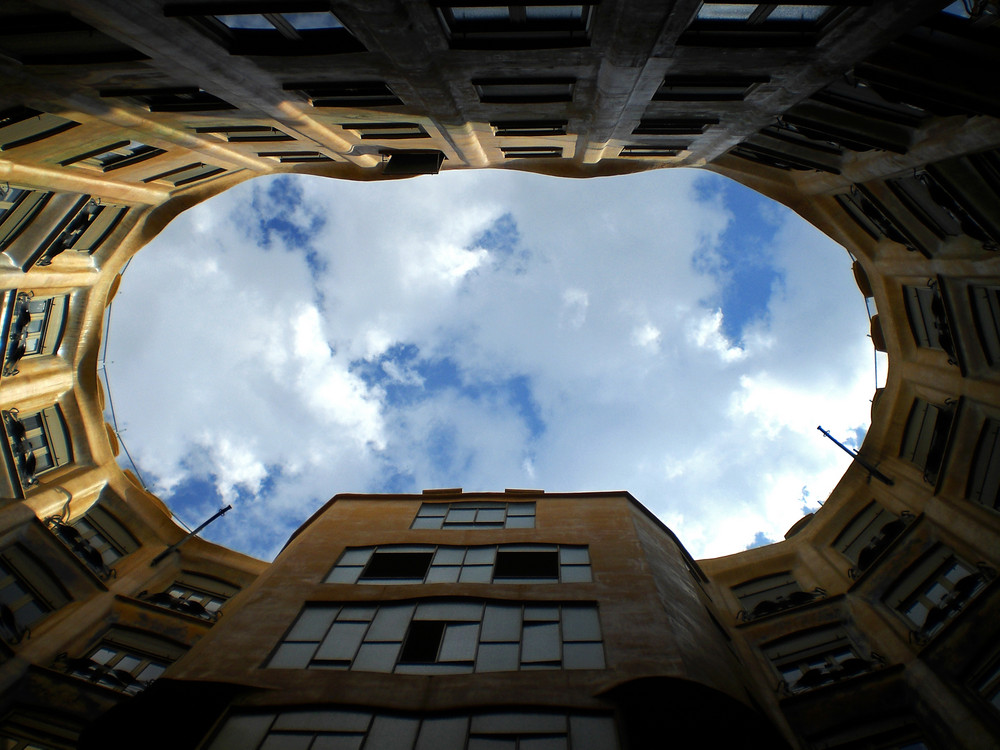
(667, 333)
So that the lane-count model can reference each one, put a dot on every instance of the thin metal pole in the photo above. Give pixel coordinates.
(872, 471)
(172, 547)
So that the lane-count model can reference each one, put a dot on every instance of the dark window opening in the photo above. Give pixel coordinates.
(516, 564)
(247, 133)
(41, 38)
(928, 318)
(707, 88)
(176, 99)
(398, 565)
(528, 127)
(423, 641)
(386, 130)
(483, 24)
(22, 125)
(674, 126)
(115, 155)
(984, 475)
(294, 157)
(925, 438)
(524, 90)
(347, 93)
(186, 174)
(290, 27)
(653, 151)
(531, 152)
(760, 24)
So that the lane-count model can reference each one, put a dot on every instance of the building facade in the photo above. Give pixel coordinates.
(873, 625)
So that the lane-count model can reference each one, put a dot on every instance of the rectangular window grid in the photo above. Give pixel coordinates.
(486, 25)
(452, 636)
(506, 563)
(353, 729)
(115, 156)
(475, 515)
(936, 589)
(768, 594)
(815, 658)
(984, 474)
(120, 668)
(386, 130)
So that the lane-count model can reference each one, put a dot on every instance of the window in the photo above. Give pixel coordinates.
(483, 24)
(769, 594)
(674, 126)
(874, 217)
(34, 36)
(39, 442)
(926, 437)
(443, 636)
(763, 24)
(353, 728)
(195, 594)
(928, 319)
(969, 189)
(532, 152)
(707, 88)
(524, 90)
(649, 151)
(296, 27)
(186, 175)
(984, 474)
(97, 538)
(987, 685)
(927, 201)
(28, 592)
(815, 658)
(176, 99)
(528, 127)
(412, 162)
(506, 563)
(347, 93)
(247, 133)
(294, 157)
(935, 589)
(115, 156)
(126, 660)
(868, 535)
(36, 328)
(986, 311)
(475, 515)
(85, 228)
(22, 125)
(18, 208)
(386, 130)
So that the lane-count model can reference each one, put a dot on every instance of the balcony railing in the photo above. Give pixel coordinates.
(952, 603)
(186, 606)
(80, 547)
(24, 453)
(832, 673)
(17, 344)
(880, 543)
(92, 671)
(780, 604)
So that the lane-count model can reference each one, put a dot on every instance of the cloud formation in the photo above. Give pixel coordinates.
(298, 337)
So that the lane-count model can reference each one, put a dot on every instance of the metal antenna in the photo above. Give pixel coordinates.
(872, 471)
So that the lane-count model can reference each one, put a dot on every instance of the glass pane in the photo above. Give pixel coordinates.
(490, 516)
(442, 734)
(357, 612)
(460, 516)
(459, 643)
(286, 742)
(443, 574)
(304, 21)
(540, 642)
(476, 574)
(543, 743)
(580, 624)
(338, 742)
(102, 655)
(480, 555)
(151, 672)
(491, 743)
(342, 641)
(575, 574)
(798, 12)
(390, 623)
(583, 656)
(449, 611)
(246, 21)
(592, 732)
(356, 556)
(242, 731)
(520, 509)
(320, 721)
(426, 523)
(502, 623)
(437, 510)
(574, 556)
(957, 9)
(521, 723)
(128, 663)
(520, 522)
(449, 556)
(497, 657)
(725, 12)
(541, 612)
(554, 12)
(292, 656)
(312, 624)
(344, 574)
(393, 731)
(376, 657)
(488, 13)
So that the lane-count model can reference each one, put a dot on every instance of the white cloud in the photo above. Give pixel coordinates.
(252, 367)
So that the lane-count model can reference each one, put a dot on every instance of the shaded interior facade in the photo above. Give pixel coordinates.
(873, 625)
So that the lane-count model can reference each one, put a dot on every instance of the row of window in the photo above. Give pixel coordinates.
(358, 729)
(506, 563)
(31, 327)
(443, 636)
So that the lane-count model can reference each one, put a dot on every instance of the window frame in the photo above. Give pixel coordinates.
(349, 94)
(518, 30)
(120, 154)
(532, 90)
(15, 119)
